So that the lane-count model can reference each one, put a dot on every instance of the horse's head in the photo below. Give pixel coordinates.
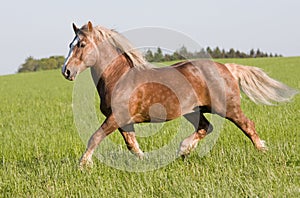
(85, 47)
(83, 51)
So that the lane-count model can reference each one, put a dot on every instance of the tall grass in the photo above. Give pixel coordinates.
(40, 147)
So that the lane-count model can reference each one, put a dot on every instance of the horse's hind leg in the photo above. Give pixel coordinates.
(130, 140)
(202, 128)
(247, 126)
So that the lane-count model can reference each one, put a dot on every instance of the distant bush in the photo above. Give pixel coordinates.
(31, 64)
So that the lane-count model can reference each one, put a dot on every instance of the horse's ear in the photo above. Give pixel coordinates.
(90, 26)
(75, 28)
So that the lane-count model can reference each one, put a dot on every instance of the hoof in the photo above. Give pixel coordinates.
(183, 156)
(140, 155)
(188, 145)
(262, 147)
(183, 153)
(85, 163)
(185, 149)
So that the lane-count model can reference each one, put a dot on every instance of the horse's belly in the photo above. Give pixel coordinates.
(157, 102)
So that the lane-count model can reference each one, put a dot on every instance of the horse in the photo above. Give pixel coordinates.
(133, 91)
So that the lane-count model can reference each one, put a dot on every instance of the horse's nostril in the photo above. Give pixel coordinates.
(68, 73)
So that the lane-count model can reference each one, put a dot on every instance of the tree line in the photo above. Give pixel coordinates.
(31, 64)
(55, 62)
(183, 53)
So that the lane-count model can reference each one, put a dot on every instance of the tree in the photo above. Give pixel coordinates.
(47, 63)
(184, 52)
(217, 53)
(223, 53)
(243, 55)
(209, 51)
(258, 53)
(237, 54)
(60, 61)
(200, 54)
(30, 65)
(168, 57)
(149, 55)
(177, 56)
(231, 53)
(252, 53)
(158, 55)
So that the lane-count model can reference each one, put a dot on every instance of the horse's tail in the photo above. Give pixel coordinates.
(258, 86)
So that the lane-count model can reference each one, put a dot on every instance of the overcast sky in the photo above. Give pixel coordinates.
(43, 28)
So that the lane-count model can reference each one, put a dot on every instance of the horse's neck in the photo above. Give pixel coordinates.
(109, 76)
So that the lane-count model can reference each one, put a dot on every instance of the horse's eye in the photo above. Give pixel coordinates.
(82, 44)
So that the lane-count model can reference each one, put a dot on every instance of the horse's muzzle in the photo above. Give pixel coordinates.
(68, 74)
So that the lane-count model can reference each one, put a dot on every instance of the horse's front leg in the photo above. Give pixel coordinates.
(107, 127)
(128, 134)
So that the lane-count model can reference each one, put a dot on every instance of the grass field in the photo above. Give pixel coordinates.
(40, 147)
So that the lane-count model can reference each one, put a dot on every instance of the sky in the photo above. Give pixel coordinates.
(44, 28)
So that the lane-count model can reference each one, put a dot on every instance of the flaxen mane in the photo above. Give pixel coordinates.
(122, 44)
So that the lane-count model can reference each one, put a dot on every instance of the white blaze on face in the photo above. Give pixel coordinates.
(72, 45)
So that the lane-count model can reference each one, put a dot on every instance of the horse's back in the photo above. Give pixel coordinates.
(213, 83)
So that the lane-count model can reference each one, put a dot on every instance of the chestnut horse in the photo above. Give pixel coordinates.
(132, 91)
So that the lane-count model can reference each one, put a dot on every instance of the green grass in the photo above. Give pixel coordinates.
(40, 147)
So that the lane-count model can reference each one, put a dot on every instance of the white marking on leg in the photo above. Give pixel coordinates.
(188, 145)
(263, 144)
